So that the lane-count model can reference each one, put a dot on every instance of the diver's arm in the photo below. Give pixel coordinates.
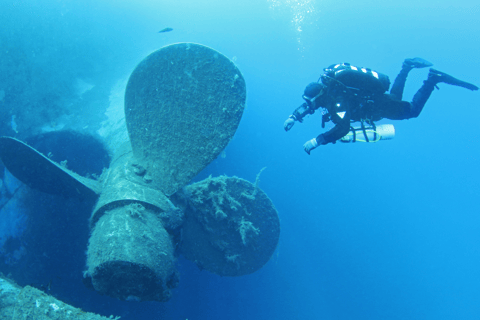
(342, 126)
(301, 112)
(297, 115)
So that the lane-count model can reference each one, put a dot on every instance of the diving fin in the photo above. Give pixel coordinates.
(436, 76)
(417, 63)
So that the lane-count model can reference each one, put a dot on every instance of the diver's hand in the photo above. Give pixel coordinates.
(310, 145)
(288, 124)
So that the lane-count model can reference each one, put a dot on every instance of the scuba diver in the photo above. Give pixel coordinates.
(352, 94)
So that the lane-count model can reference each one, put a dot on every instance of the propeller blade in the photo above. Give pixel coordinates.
(231, 226)
(38, 172)
(183, 104)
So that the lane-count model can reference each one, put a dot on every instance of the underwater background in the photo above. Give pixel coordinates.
(387, 230)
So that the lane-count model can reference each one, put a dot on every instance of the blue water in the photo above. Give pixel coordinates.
(389, 230)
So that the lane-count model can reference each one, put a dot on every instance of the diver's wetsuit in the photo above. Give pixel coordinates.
(396, 109)
(346, 106)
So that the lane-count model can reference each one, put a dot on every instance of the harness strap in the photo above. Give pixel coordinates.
(364, 131)
(324, 118)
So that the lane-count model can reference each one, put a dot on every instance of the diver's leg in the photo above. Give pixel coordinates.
(420, 98)
(434, 77)
(395, 109)
(401, 110)
(399, 83)
(407, 66)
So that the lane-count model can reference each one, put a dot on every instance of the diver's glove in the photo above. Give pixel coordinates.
(310, 145)
(288, 124)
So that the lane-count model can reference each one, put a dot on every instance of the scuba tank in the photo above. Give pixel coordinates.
(355, 77)
(369, 133)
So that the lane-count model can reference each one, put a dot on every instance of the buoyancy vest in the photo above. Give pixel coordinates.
(359, 78)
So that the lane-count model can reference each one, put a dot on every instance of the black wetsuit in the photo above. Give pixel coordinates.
(345, 105)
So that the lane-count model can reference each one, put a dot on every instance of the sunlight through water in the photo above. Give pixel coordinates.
(299, 10)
